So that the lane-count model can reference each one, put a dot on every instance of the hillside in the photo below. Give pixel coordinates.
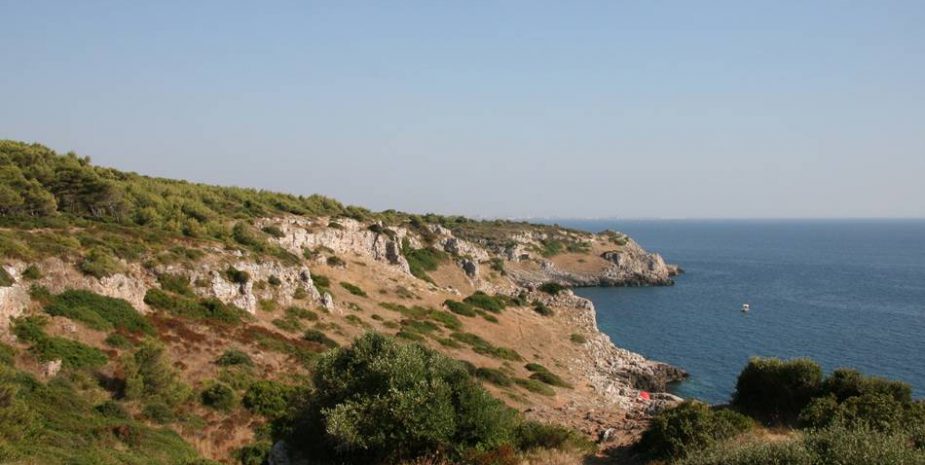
(156, 309)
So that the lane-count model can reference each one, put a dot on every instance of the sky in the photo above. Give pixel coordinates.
(569, 109)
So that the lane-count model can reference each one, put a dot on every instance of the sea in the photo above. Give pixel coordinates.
(846, 293)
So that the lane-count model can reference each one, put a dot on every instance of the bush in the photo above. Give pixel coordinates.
(844, 383)
(100, 264)
(578, 338)
(32, 273)
(253, 454)
(775, 389)
(98, 312)
(46, 348)
(535, 435)
(690, 426)
(353, 289)
(535, 386)
(314, 335)
(112, 409)
(486, 302)
(494, 376)
(273, 230)
(552, 288)
(321, 280)
(237, 276)
(543, 375)
(481, 346)
(158, 412)
(422, 261)
(210, 309)
(118, 341)
(176, 283)
(335, 261)
(5, 279)
(234, 357)
(301, 313)
(379, 399)
(268, 398)
(542, 309)
(460, 308)
(7, 354)
(218, 395)
(150, 376)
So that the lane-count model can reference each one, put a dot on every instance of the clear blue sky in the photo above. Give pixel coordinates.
(507, 108)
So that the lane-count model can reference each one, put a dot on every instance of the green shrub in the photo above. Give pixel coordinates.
(486, 302)
(118, 341)
(844, 383)
(353, 289)
(578, 338)
(460, 308)
(237, 276)
(98, 312)
(274, 280)
(552, 288)
(100, 264)
(533, 385)
(542, 309)
(158, 412)
(422, 261)
(273, 230)
(335, 261)
(288, 324)
(497, 264)
(253, 454)
(314, 335)
(112, 409)
(46, 348)
(176, 283)
(269, 398)
(218, 395)
(448, 320)
(7, 354)
(234, 357)
(150, 376)
(494, 376)
(542, 374)
(210, 309)
(301, 313)
(378, 399)
(6, 279)
(483, 347)
(321, 281)
(788, 452)
(32, 273)
(775, 389)
(690, 426)
(531, 435)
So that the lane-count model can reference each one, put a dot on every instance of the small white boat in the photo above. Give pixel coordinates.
(745, 308)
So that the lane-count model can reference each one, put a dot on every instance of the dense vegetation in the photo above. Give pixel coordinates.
(844, 418)
(379, 401)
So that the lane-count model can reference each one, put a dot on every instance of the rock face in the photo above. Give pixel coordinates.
(633, 266)
(245, 295)
(614, 372)
(344, 236)
(630, 265)
(13, 299)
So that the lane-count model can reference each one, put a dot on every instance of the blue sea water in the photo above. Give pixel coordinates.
(846, 293)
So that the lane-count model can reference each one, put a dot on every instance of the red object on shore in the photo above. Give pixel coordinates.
(644, 394)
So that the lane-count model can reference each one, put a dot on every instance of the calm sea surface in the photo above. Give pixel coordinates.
(846, 293)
